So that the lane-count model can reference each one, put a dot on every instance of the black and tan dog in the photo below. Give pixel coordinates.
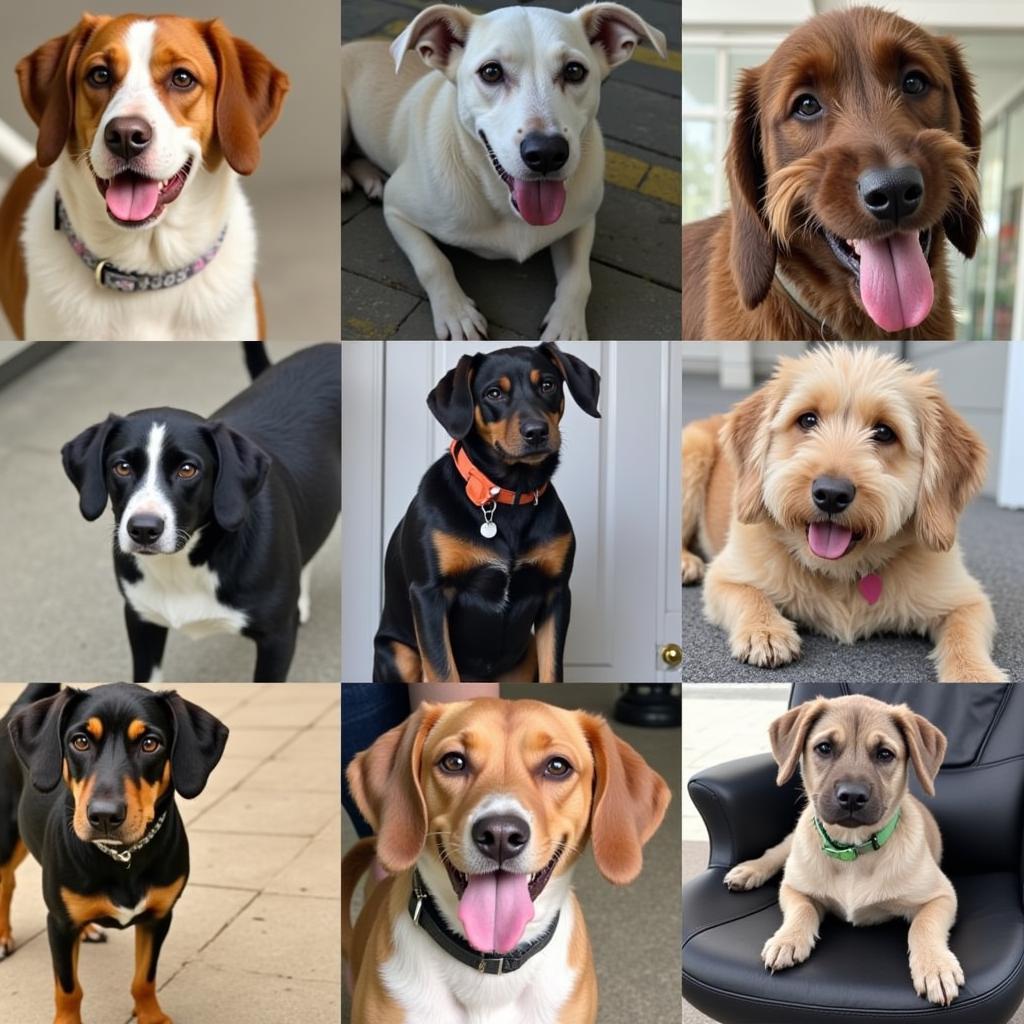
(477, 571)
(110, 840)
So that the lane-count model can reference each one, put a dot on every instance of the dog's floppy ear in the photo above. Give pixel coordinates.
(198, 744)
(926, 743)
(46, 78)
(438, 35)
(752, 248)
(584, 382)
(385, 784)
(963, 221)
(955, 458)
(241, 471)
(745, 436)
(789, 732)
(250, 92)
(451, 401)
(630, 799)
(83, 459)
(614, 32)
(35, 733)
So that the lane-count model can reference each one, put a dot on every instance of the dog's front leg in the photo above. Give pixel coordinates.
(935, 970)
(274, 654)
(963, 642)
(752, 874)
(793, 942)
(430, 617)
(64, 953)
(566, 320)
(550, 630)
(147, 642)
(758, 632)
(148, 940)
(456, 317)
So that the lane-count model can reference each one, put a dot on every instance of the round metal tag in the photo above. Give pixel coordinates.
(488, 530)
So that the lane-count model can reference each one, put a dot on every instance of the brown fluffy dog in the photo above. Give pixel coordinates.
(837, 507)
(854, 754)
(853, 158)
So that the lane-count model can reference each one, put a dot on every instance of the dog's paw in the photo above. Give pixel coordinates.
(93, 933)
(458, 319)
(565, 322)
(369, 177)
(744, 876)
(787, 949)
(6, 946)
(973, 672)
(767, 646)
(692, 568)
(937, 975)
(347, 184)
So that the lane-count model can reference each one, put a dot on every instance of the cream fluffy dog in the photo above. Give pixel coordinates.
(830, 497)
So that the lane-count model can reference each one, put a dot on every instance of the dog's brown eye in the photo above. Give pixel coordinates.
(806, 106)
(453, 763)
(574, 72)
(914, 83)
(121, 468)
(557, 768)
(182, 79)
(187, 470)
(493, 394)
(547, 386)
(99, 77)
(884, 755)
(824, 748)
(808, 421)
(883, 434)
(150, 745)
(492, 72)
(80, 742)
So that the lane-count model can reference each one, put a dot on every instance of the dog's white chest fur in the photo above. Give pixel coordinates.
(182, 596)
(125, 915)
(430, 986)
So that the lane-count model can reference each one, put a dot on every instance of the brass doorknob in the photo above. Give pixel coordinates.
(672, 655)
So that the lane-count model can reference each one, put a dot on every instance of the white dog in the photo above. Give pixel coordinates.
(497, 150)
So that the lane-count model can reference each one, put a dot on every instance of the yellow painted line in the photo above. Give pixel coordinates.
(664, 184)
(367, 329)
(624, 171)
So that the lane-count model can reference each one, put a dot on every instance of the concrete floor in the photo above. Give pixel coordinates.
(634, 931)
(635, 264)
(257, 926)
(61, 612)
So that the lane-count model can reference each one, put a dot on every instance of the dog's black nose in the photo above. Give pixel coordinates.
(534, 431)
(501, 836)
(852, 796)
(107, 814)
(544, 153)
(891, 193)
(145, 528)
(832, 494)
(127, 137)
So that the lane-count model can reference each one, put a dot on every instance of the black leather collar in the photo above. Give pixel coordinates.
(424, 913)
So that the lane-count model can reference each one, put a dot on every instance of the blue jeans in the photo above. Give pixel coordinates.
(368, 710)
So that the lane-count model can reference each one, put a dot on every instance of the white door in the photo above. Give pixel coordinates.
(619, 482)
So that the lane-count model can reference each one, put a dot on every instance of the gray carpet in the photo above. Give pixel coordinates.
(993, 544)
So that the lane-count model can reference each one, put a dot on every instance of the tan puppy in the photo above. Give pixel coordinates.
(484, 807)
(854, 754)
(836, 505)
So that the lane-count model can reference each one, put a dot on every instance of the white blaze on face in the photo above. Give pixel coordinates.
(136, 96)
(150, 498)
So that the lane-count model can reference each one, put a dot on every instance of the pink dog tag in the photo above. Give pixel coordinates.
(870, 587)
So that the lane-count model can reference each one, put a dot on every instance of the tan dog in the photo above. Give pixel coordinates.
(854, 754)
(483, 809)
(830, 497)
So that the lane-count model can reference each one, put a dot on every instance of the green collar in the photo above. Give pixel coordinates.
(851, 851)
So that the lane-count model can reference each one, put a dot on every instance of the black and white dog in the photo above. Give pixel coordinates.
(216, 519)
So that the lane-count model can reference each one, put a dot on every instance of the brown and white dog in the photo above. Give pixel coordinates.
(482, 809)
(145, 124)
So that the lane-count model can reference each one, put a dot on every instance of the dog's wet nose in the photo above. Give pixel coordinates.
(107, 814)
(544, 153)
(127, 137)
(852, 796)
(145, 528)
(891, 193)
(832, 494)
(501, 836)
(534, 431)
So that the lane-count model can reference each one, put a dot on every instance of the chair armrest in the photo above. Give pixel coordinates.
(743, 810)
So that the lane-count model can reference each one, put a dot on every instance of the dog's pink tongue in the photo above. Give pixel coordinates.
(895, 282)
(131, 197)
(495, 910)
(540, 202)
(829, 540)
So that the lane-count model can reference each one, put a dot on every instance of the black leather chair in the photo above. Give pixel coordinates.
(861, 974)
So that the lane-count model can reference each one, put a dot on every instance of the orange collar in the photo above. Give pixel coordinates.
(480, 490)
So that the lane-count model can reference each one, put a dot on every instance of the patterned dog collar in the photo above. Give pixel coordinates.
(109, 276)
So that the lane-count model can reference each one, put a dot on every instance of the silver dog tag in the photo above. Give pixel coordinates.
(488, 530)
